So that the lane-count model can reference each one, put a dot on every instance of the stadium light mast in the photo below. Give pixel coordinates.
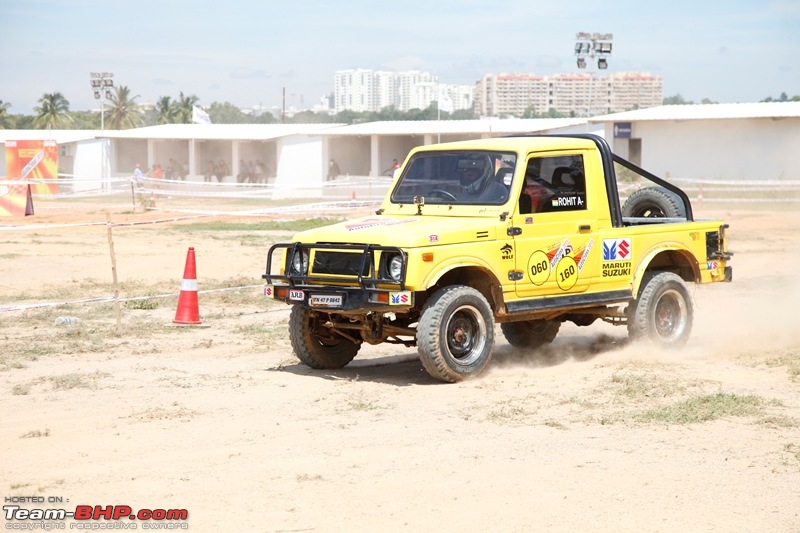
(590, 46)
(102, 83)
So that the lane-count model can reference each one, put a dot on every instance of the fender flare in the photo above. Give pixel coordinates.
(449, 265)
(689, 262)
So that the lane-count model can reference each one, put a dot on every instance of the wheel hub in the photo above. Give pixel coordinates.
(466, 335)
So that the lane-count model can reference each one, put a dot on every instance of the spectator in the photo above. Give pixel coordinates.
(259, 171)
(158, 175)
(250, 174)
(333, 169)
(138, 177)
(211, 172)
(241, 177)
(390, 171)
(222, 170)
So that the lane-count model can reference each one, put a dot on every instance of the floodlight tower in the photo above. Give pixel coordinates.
(591, 45)
(102, 83)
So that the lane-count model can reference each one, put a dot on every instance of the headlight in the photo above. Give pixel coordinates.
(395, 267)
(300, 262)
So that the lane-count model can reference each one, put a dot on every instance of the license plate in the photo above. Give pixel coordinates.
(325, 300)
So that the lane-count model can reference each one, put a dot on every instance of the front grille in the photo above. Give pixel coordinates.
(340, 263)
(712, 244)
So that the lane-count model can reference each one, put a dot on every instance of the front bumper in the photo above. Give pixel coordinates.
(342, 299)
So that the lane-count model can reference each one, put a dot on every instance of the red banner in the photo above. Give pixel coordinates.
(27, 160)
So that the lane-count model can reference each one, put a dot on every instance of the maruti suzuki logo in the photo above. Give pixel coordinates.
(399, 298)
(616, 249)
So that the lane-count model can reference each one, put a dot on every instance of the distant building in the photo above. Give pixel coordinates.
(369, 90)
(580, 94)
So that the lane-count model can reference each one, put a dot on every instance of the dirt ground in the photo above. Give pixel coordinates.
(592, 434)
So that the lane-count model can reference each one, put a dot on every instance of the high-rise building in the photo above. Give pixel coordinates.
(355, 90)
(368, 90)
(580, 94)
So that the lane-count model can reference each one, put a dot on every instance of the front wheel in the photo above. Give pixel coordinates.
(318, 347)
(663, 312)
(455, 334)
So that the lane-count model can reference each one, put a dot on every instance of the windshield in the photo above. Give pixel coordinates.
(456, 177)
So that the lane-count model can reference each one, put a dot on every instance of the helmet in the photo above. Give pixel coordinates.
(473, 172)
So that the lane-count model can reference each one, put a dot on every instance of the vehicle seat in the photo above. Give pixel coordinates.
(562, 178)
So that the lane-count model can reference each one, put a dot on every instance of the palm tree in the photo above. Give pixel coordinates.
(185, 105)
(52, 112)
(5, 119)
(125, 112)
(166, 111)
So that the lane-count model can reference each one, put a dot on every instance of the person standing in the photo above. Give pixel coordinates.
(211, 172)
(333, 169)
(158, 175)
(391, 170)
(222, 170)
(138, 177)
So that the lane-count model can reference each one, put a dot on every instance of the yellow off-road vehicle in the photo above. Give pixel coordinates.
(525, 231)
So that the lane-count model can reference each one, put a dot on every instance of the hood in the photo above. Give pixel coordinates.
(403, 231)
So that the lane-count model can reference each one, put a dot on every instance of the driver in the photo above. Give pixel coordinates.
(476, 183)
(473, 178)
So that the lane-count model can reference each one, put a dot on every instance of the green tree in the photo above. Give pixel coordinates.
(125, 113)
(184, 106)
(530, 112)
(85, 120)
(6, 120)
(23, 122)
(227, 113)
(166, 111)
(310, 117)
(264, 118)
(52, 112)
(675, 100)
(782, 98)
(347, 117)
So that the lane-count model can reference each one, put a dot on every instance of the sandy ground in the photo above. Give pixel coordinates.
(223, 422)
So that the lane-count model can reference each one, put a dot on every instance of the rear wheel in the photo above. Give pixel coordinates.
(318, 347)
(531, 333)
(663, 312)
(455, 334)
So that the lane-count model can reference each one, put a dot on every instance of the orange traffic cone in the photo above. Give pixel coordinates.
(188, 308)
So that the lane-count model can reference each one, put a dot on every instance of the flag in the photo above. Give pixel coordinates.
(199, 116)
(445, 102)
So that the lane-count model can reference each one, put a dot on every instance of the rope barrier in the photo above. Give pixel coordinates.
(106, 299)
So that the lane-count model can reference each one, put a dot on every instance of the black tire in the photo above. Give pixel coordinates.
(530, 334)
(663, 312)
(654, 202)
(317, 351)
(455, 334)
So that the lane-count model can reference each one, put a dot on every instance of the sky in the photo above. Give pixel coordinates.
(251, 52)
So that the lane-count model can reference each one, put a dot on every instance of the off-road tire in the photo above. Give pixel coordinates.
(663, 312)
(530, 334)
(455, 334)
(320, 352)
(654, 202)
